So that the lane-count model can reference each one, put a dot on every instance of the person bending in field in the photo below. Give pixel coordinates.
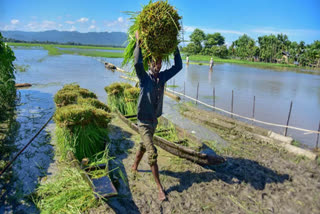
(150, 107)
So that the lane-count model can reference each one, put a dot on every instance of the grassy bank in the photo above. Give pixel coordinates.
(93, 53)
(61, 46)
(201, 59)
(54, 51)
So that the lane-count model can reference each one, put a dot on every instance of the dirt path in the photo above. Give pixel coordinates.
(257, 178)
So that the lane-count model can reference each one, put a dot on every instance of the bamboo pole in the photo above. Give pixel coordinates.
(286, 129)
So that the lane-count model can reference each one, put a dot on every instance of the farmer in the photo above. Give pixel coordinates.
(150, 107)
(211, 63)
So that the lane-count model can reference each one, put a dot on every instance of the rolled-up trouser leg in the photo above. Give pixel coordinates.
(146, 130)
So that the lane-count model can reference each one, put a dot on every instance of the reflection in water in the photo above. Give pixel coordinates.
(210, 75)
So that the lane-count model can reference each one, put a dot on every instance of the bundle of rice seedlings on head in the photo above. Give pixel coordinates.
(158, 27)
(93, 102)
(132, 94)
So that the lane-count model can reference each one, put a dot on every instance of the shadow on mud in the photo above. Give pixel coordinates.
(233, 171)
(123, 203)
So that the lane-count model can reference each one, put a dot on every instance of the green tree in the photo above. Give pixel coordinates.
(244, 47)
(197, 37)
(268, 47)
(214, 39)
(192, 48)
(219, 51)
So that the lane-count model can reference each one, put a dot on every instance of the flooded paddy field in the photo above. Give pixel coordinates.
(295, 181)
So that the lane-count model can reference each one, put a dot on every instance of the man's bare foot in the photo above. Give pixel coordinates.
(162, 195)
(134, 168)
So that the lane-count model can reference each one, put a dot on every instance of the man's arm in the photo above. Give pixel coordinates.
(138, 61)
(168, 74)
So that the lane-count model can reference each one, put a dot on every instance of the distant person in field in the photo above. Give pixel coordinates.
(211, 63)
(150, 107)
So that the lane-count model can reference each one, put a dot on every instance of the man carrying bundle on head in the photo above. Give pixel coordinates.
(153, 38)
(150, 102)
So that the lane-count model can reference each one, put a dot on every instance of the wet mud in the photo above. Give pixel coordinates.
(257, 178)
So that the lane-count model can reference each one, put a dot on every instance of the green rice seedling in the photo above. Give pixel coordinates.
(66, 97)
(67, 192)
(117, 100)
(131, 94)
(84, 129)
(158, 26)
(85, 93)
(83, 141)
(70, 94)
(93, 102)
(71, 87)
(74, 114)
(117, 88)
(170, 134)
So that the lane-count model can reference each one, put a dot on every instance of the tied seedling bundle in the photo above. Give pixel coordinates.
(158, 27)
(82, 121)
(123, 97)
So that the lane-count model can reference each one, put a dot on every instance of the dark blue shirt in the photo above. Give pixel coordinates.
(152, 88)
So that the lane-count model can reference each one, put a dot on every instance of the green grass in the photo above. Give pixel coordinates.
(21, 68)
(203, 58)
(67, 192)
(61, 46)
(93, 53)
(54, 51)
(296, 143)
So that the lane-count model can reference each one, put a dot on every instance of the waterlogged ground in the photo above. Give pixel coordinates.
(257, 178)
(33, 110)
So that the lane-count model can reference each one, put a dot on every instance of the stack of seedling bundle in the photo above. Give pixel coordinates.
(82, 121)
(123, 97)
(158, 27)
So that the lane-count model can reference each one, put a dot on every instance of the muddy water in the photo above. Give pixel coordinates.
(33, 110)
(274, 90)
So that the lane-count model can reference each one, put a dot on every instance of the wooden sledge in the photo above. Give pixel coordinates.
(192, 153)
(102, 187)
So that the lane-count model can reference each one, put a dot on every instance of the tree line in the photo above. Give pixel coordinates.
(268, 48)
